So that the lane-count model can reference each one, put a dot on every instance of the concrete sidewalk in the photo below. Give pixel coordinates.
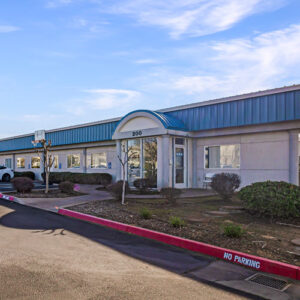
(93, 195)
(52, 203)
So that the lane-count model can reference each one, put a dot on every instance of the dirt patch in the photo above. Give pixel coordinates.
(41, 194)
(262, 236)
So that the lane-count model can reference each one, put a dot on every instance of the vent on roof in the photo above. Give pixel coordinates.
(274, 283)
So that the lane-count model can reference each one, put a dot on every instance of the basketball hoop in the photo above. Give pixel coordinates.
(34, 143)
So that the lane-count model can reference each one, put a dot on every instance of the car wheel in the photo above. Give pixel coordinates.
(6, 178)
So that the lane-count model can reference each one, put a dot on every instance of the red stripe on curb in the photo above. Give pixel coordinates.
(5, 197)
(248, 260)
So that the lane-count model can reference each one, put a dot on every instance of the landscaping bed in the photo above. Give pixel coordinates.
(41, 194)
(205, 218)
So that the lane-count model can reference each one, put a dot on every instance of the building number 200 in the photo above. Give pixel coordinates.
(137, 133)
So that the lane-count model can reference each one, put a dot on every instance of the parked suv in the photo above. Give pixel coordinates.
(6, 174)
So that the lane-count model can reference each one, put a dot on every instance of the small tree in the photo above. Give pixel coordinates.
(124, 162)
(48, 160)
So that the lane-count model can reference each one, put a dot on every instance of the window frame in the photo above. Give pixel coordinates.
(33, 157)
(99, 153)
(72, 167)
(214, 145)
(17, 163)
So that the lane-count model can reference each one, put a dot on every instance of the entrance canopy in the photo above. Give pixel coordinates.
(141, 123)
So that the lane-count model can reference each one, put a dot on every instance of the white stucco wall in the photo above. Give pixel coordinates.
(263, 156)
(63, 158)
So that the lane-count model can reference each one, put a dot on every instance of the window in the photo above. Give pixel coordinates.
(74, 161)
(55, 163)
(35, 162)
(8, 163)
(142, 161)
(99, 160)
(179, 141)
(21, 162)
(222, 157)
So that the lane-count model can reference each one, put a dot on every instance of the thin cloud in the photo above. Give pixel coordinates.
(58, 3)
(111, 101)
(244, 65)
(147, 61)
(193, 17)
(103, 99)
(8, 28)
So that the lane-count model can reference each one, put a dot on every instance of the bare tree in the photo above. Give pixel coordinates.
(124, 161)
(48, 160)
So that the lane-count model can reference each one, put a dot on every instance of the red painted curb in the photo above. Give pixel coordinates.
(248, 260)
(5, 197)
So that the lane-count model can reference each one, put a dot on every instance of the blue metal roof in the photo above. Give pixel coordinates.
(86, 134)
(18, 143)
(168, 121)
(278, 107)
(252, 111)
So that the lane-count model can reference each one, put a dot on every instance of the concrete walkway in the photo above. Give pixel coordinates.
(94, 195)
(52, 203)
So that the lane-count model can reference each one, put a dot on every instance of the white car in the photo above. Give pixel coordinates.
(6, 174)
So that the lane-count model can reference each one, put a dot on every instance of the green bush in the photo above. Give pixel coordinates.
(66, 187)
(176, 222)
(272, 198)
(83, 178)
(225, 184)
(23, 184)
(117, 188)
(145, 213)
(171, 194)
(27, 174)
(233, 230)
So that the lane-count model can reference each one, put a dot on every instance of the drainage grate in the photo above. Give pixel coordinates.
(271, 282)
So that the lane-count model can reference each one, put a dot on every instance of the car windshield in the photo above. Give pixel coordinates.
(2, 167)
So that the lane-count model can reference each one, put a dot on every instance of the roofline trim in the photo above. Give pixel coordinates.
(233, 98)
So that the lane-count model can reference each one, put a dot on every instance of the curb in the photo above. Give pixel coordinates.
(10, 198)
(251, 261)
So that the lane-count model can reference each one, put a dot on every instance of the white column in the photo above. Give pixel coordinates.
(118, 164)
(294, 157)
(163, 161)
(84, 161)
(194, 163)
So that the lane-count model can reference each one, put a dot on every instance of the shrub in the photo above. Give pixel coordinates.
(82, 178)
(272, 198)
(142, 185)
(176, 222)
(28, 174)
(225, 184)
(233, 230)
(145, 213)
(117, 188)
(66, 187)
(23, 184)
(171, 194)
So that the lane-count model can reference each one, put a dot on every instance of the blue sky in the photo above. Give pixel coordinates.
(66, 62)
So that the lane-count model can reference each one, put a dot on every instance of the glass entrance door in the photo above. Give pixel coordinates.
(179, 166)
(142, 161)
(134, 161)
